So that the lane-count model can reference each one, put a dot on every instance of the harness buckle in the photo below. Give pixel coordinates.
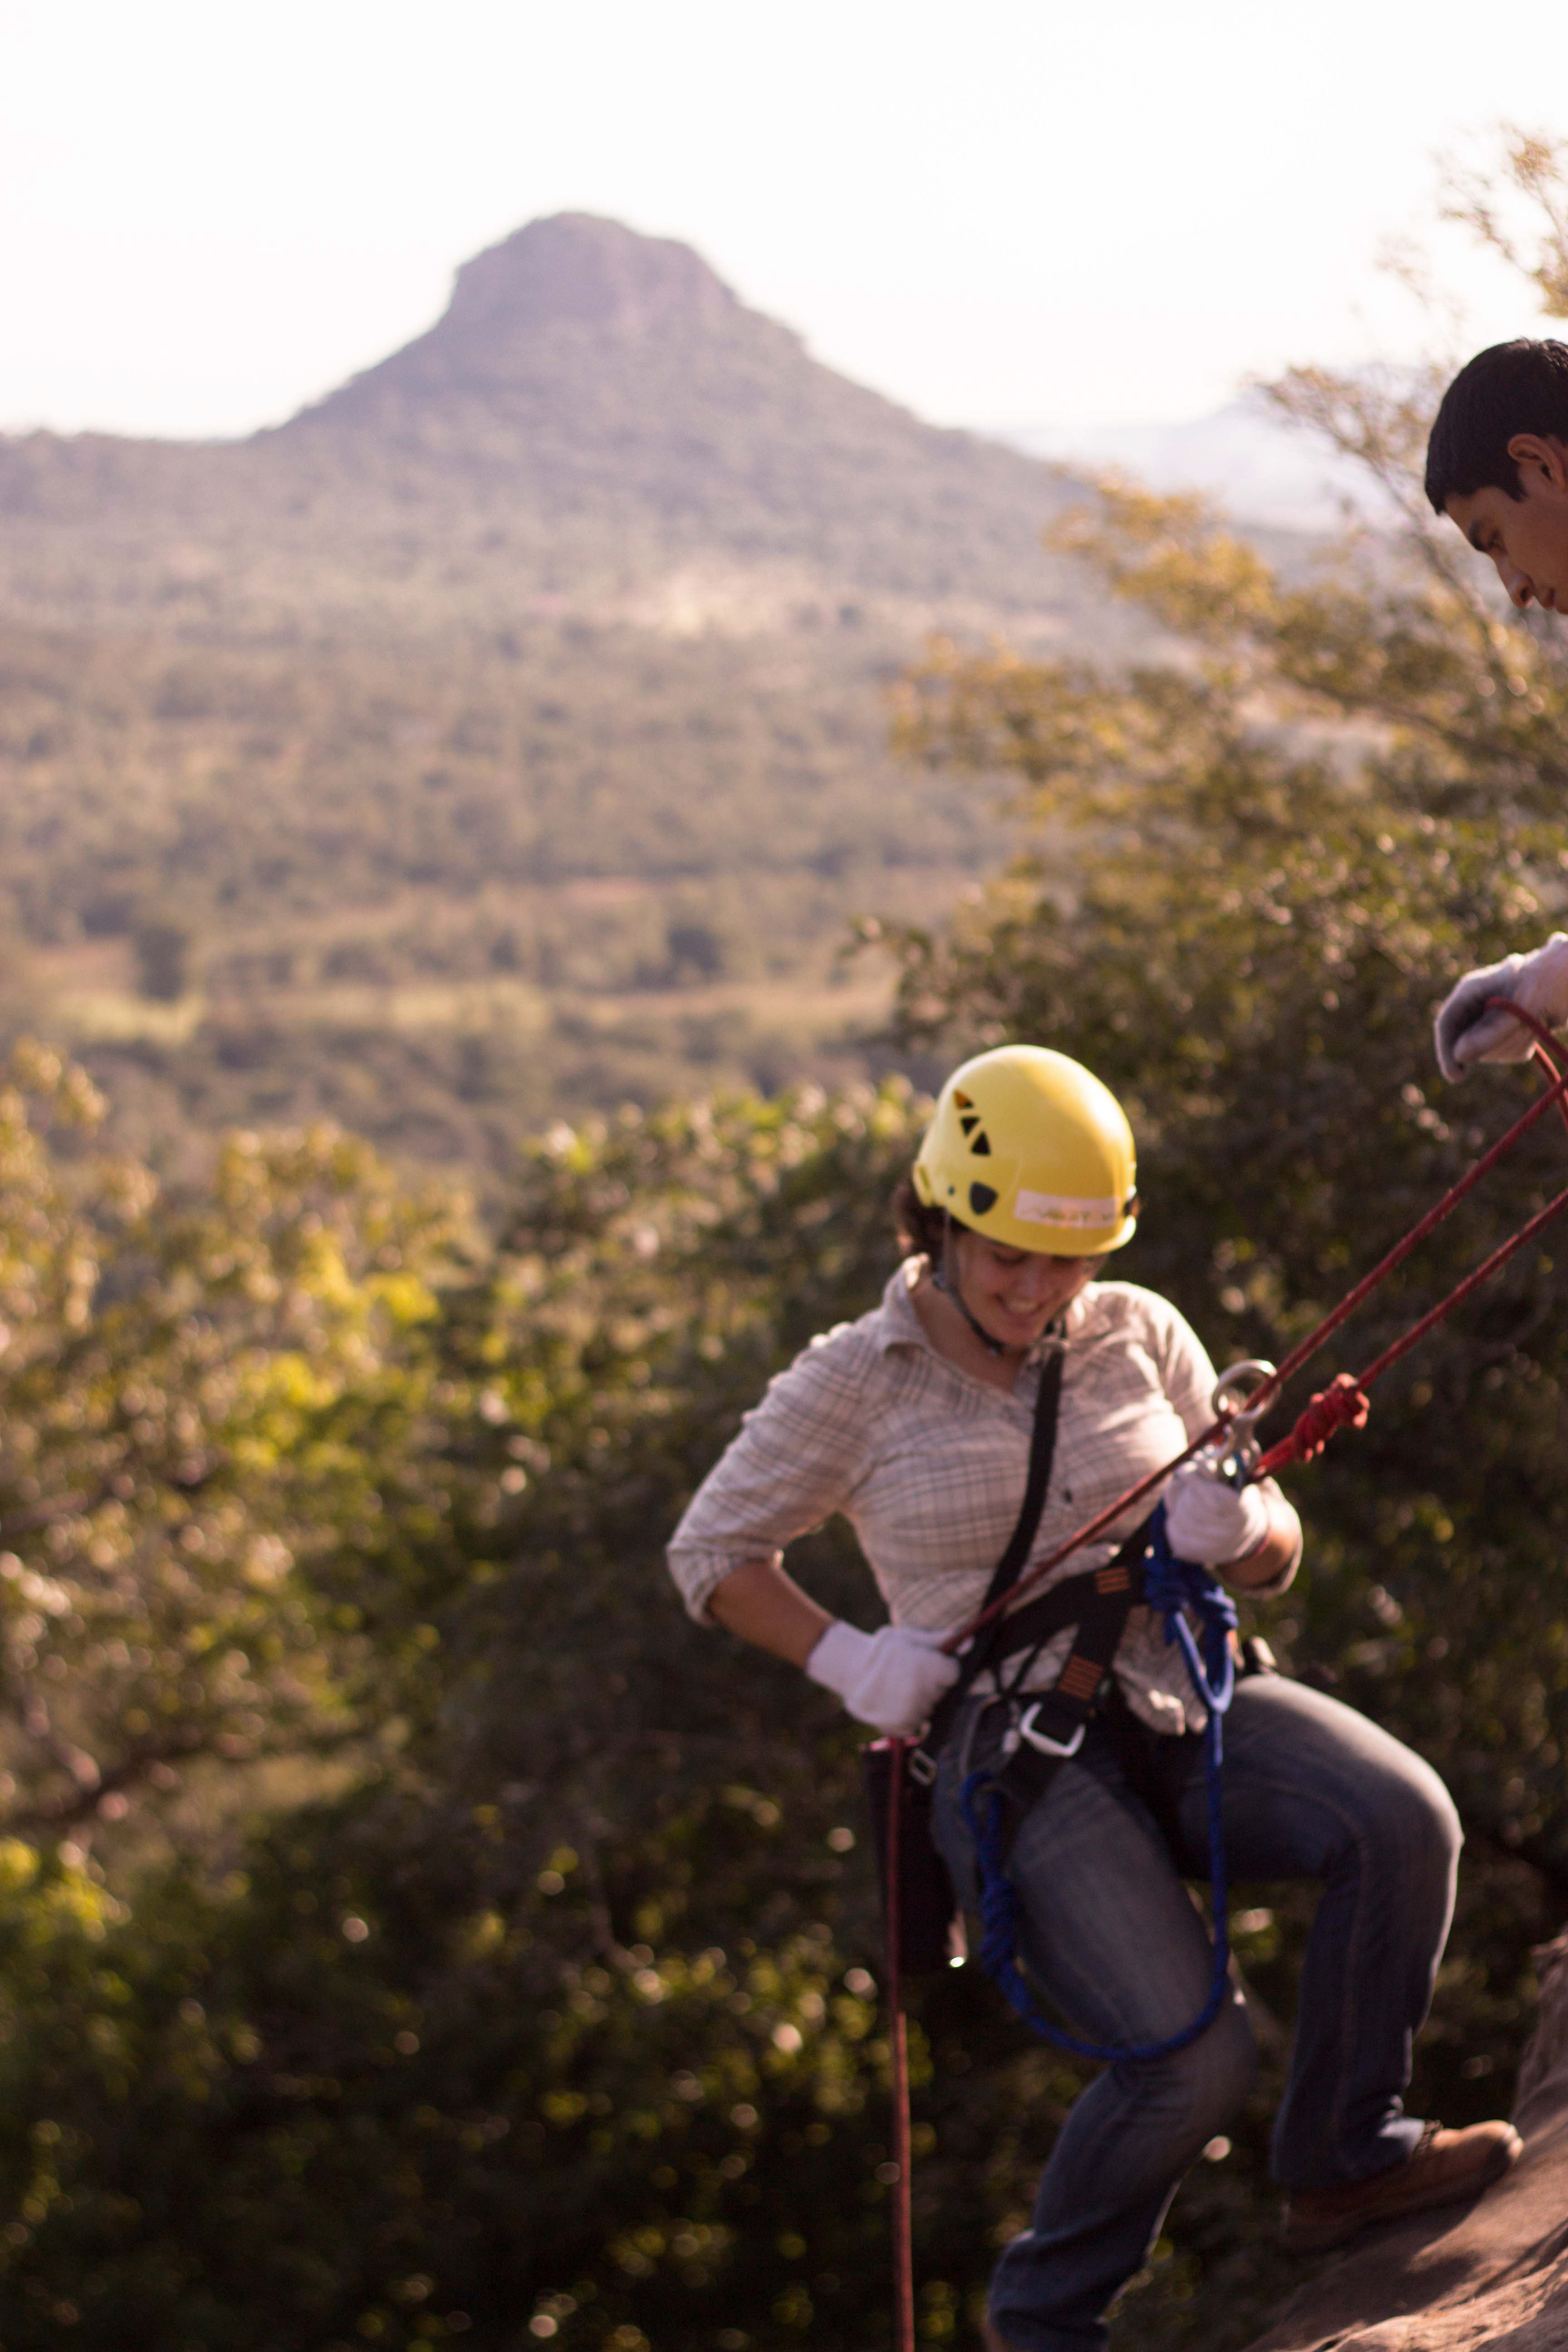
(921, 1766)
(1042, 1739)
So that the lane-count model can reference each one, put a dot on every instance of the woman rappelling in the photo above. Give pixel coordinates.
(999, 1342)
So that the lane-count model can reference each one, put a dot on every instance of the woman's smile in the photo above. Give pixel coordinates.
(1012, 1294)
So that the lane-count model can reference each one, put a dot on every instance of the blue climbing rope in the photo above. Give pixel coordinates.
(1173, 1587)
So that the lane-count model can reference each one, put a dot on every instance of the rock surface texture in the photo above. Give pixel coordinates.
(1494, 2274)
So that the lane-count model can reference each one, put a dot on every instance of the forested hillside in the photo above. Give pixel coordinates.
(505, 734)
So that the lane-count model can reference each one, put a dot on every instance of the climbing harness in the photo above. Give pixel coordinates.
(1170, 1586)
(1043, 1735)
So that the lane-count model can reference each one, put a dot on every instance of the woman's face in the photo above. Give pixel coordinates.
(1014, 1294)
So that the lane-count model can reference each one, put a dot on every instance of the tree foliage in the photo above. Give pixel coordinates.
(562, 2009)
(187, 1391)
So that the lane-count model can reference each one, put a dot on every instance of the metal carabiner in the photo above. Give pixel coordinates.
(1233, 1457)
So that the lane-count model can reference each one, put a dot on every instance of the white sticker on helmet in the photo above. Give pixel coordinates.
(1060, 1209)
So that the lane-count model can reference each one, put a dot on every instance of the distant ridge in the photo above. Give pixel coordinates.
(1245, 456)
(581, 367)
(592, 382)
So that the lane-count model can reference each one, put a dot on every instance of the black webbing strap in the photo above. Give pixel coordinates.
(1102, 1601)
(1067, 1603)
(1042, 1453)
(1009, 1569)
(1048, 1730)
(1098, 1604)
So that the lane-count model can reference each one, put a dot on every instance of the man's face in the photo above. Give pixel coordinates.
(1526, 537)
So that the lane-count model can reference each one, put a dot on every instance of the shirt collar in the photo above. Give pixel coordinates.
(899, 1325)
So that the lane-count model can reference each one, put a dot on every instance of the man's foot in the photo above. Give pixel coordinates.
(1446, 2167)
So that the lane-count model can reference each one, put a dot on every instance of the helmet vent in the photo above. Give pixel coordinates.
(981, 1199)
(981, 1147)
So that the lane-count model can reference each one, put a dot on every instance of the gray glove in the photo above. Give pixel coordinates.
(1466, 1035)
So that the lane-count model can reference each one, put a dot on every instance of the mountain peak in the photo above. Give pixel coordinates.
(605, 381)
(548, 319)
(578, 268)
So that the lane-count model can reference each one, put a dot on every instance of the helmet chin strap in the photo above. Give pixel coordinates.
(944, 1277)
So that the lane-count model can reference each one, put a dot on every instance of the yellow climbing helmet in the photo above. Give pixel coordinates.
(1029, 1149)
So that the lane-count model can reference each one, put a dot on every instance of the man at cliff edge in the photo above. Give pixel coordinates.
(1497, 466)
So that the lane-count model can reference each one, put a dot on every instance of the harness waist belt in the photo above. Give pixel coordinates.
(1119, 1581)
(1098, 1603)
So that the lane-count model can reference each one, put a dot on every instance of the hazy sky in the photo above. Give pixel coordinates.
(1005, 212)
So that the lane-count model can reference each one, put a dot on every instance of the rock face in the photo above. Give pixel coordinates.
(1494, 2274)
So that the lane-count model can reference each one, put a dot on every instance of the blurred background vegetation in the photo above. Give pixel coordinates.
(411, 1930)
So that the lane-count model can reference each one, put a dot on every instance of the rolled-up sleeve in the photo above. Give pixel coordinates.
(1187, 1370)
(793, 1461)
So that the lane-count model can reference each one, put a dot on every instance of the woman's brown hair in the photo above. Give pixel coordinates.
(920, 1229)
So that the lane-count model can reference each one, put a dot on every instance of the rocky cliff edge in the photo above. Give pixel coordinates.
(1494, 2274)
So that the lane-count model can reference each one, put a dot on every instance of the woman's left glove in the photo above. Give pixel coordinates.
(890, 1679)
(1212, 1523)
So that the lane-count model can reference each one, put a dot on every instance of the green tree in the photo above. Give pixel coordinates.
(191, 1391)
(563, 2011)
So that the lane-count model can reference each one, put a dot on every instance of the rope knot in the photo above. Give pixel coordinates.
(1342, 1405)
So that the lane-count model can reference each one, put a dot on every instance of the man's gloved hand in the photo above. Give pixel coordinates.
(890, 1679)
(1465, 1034)
(1211, 1523)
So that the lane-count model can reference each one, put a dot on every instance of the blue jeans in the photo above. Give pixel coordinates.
(1311, 1791)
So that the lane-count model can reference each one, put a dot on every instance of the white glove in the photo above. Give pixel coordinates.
(1210, 1522)
(1538, 981)
(890, 1679)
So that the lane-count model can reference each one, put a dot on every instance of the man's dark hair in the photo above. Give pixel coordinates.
(1518, 387)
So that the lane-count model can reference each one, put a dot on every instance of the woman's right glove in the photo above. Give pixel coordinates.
(1466, 1035)
(1211, 1523)
(890, 1679)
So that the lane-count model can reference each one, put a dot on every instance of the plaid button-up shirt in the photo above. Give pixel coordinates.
(928, 1465)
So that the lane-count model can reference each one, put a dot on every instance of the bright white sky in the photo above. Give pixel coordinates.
(1011, 212)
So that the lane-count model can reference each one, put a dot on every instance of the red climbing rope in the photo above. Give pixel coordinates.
(1343, 1403)
(903, 2237)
